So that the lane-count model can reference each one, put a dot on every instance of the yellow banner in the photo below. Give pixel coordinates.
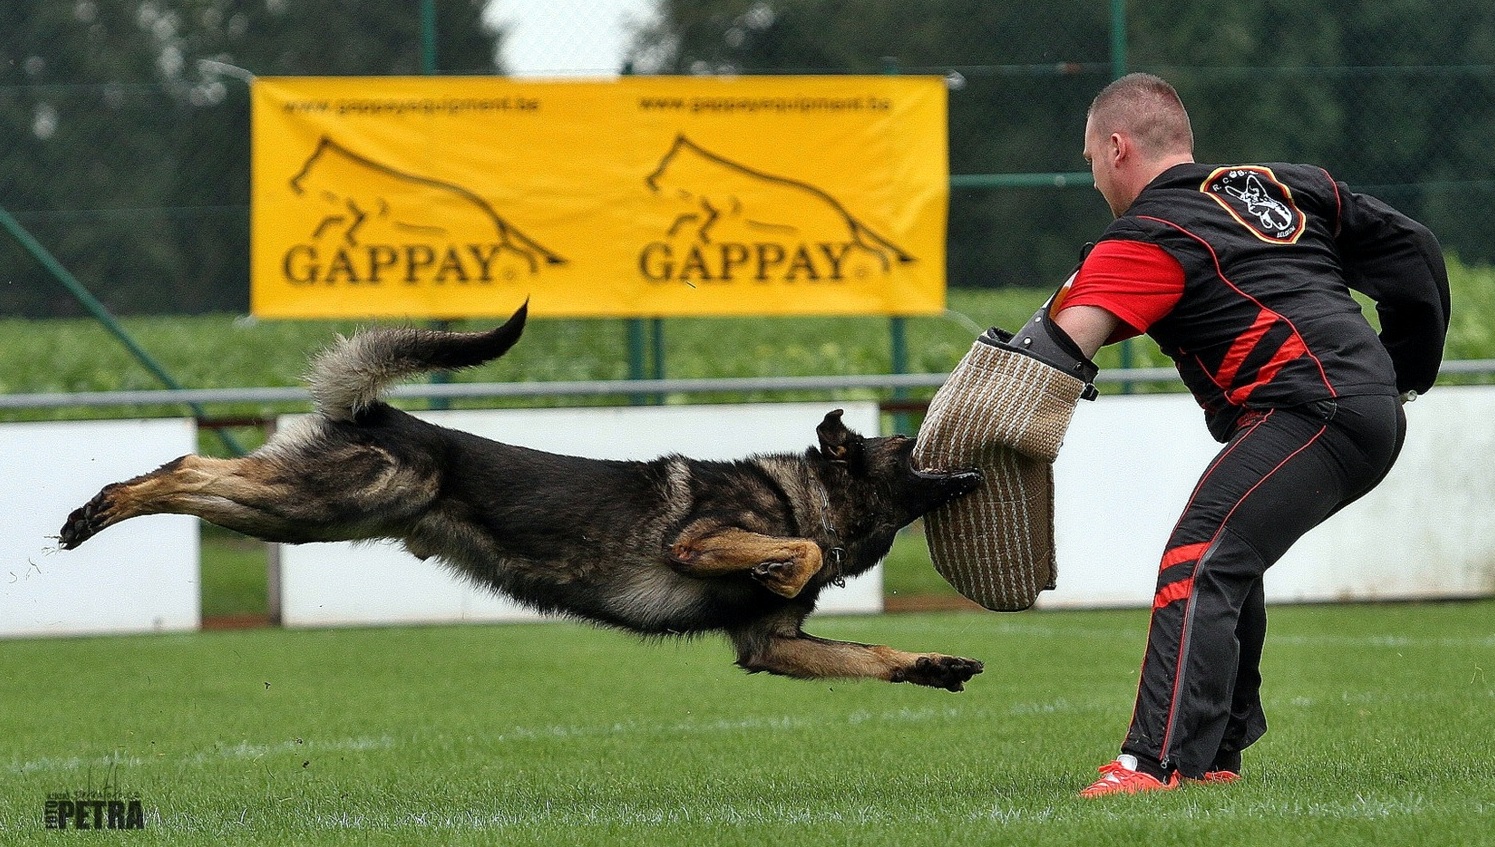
(642, 197)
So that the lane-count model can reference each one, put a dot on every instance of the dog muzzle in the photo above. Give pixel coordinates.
(1004, 410)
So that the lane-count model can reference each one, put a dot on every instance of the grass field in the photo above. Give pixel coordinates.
(1383, 722)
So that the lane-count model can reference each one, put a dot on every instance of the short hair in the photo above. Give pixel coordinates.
(1148, 109)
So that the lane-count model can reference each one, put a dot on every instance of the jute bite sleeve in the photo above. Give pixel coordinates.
(1004, 410)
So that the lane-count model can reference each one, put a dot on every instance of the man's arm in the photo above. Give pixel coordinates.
(1398, 262)
(1121, 289)
(1087, 326)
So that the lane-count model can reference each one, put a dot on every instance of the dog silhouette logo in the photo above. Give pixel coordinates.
(732, 222)
(1257, 199)
(368, 223)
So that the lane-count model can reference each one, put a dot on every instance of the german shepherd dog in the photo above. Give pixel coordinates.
(664, 547)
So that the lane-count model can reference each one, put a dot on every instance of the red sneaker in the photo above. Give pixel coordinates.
(1218, 777)
(1122, 777)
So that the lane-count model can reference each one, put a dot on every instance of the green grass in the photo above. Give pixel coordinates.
(234, 574)
(1471, 331)
(908, 570)
(224, 351)
(219, 351)
(552, 734)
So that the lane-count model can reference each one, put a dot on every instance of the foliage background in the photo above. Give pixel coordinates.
(1398, 99)
(124, 132)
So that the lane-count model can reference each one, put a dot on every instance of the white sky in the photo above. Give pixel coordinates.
(567, 37)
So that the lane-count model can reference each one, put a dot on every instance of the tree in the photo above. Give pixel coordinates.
(127, 154)
(1019, 105)
(1334, 83)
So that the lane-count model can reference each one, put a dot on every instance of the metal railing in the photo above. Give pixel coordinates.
(587, 388)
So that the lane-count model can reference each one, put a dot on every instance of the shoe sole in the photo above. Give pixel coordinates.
(1216, 778)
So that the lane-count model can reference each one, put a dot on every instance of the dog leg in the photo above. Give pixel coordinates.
(218, 490)
(253, 495)
(807, 657)
(782, 565)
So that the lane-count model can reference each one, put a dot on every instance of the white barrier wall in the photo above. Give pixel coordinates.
(1129, 463)
(139, 576)
(1127, 467)
(359, 584)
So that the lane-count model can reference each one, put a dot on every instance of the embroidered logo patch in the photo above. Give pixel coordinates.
(1254, 196)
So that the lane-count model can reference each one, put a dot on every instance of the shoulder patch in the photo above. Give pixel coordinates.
(1258, 201)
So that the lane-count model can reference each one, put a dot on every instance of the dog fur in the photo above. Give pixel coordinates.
(672, 546)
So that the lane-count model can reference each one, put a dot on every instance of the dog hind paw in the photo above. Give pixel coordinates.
(786, 579)
(86, 521)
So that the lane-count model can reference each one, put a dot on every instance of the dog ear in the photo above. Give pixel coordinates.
(836, 441)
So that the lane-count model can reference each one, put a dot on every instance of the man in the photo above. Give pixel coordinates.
(1242, 276)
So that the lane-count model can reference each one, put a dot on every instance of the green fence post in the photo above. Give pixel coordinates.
(634, 327)
(645, 355)
(1118, 39)
(656, 337)
(428, 36)
(645, 340)
(898, 340)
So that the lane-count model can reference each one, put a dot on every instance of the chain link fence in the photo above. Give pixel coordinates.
(124, 128)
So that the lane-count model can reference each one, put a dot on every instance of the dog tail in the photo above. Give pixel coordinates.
(348, 378)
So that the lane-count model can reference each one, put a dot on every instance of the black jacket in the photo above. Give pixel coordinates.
(1269, 254)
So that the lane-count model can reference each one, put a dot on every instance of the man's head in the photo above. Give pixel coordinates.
(1136, 129)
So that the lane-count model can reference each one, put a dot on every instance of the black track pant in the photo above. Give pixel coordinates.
(1282, 473)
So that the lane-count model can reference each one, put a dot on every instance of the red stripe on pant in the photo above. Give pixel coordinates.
(1172, 593)
(1183, 553)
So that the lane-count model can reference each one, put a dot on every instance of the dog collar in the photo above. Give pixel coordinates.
(835, 553)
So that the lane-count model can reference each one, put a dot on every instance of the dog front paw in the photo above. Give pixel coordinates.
(948, 672)
(966, 481)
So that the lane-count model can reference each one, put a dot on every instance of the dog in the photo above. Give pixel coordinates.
(672, 546)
